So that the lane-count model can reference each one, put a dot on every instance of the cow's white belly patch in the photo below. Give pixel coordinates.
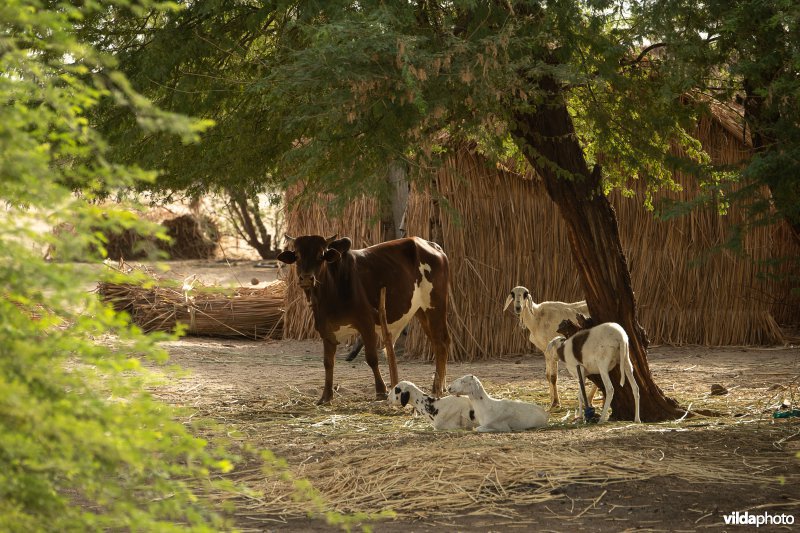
(420, 299)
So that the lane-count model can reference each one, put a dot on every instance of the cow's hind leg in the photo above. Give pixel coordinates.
(434, 324)
(371, 353)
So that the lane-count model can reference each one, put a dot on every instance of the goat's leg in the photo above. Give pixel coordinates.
(591, 393)
(329, 358)
(371, 353)
(551, 371)
(609, 395)
(635, 389)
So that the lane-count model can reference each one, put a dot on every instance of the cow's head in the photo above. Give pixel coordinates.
(521, 297)
(310, 253)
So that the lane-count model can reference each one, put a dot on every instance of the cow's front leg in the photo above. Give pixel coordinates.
(371, 352)
(329, 359)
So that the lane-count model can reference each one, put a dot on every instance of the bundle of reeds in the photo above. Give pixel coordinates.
(128, 244)
(192, 238)
(253, 313)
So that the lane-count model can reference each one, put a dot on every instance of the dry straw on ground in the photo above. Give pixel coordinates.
(502, 230)
(254, 313)
(370, 458)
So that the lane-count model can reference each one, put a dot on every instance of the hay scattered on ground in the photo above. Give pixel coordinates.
(253, 313)
(363, 455)
(372, 457)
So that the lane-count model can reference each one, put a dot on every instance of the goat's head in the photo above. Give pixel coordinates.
(399, 394)
(521, 297)
(568, 328)
(311, 253)
(465, 385)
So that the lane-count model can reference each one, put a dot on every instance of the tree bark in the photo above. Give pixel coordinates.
(248, 224)
(393, 208)
(547, 138)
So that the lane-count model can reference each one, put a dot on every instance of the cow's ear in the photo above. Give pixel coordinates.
(331, 255)
(404, 397)
(287, 256)
(343, 245)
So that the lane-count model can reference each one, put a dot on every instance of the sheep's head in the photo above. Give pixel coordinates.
(568, 328)
(465, 385)
(521, 297)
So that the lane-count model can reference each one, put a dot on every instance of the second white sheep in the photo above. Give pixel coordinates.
(498, 415)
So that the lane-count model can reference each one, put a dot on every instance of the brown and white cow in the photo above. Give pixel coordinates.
(344, 286)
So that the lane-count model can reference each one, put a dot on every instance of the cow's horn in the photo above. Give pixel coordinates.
(330, 239)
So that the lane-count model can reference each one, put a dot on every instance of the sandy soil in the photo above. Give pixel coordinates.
(363, 455)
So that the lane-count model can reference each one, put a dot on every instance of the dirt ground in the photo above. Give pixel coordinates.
(363, 455)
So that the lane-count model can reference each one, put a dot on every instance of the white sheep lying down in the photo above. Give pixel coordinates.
(449, 412)
(495, 415)
(598, 350)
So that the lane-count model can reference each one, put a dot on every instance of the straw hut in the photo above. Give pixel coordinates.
(504, 231)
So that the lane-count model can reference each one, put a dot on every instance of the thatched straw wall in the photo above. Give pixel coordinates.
(510, 233)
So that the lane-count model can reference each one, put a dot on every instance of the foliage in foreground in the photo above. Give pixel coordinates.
(82, 444)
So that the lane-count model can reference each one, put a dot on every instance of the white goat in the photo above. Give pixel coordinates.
(495, 414)
(598, 350)
(450, 412)
(542, 321)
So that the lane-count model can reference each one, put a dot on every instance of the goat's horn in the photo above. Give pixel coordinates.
(331, 239)
(288, 238)
(508, 302)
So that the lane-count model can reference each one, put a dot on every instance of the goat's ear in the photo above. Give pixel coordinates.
(528, 302)
(508, 301)
(331, 255)
(404, 397)
(287, 256)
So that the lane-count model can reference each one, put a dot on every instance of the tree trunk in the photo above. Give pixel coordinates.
(249, 225)
(394, 207)
(547, 138)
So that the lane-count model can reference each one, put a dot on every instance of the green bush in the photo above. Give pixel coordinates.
(82, 444)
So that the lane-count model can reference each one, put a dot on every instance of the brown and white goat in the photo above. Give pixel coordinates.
(598, 350)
